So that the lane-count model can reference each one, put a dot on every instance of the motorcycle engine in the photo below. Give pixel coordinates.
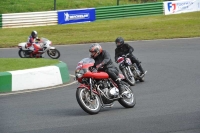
(109, 92)
(105, 98)
(113, 92)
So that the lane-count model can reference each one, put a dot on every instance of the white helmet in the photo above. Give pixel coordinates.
(34, 34)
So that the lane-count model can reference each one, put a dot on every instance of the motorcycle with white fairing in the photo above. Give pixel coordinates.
(45, 47)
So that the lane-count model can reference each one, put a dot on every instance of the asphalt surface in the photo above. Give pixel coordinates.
(167, 102)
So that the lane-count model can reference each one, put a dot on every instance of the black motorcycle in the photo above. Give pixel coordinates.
(130, 70)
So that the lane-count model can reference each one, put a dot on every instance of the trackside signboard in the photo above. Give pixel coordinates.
(76, 16)
(181, 6)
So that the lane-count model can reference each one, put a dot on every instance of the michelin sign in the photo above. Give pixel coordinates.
(76, 16)
(181, 6)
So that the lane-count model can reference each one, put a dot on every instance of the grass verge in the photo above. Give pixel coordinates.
(11, 64)
(135, 28)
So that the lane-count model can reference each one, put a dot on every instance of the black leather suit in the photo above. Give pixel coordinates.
(124, 49)
(108, 66)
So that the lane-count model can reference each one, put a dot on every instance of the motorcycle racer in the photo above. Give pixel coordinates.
(32, 43)
(123, 49)
(103, 62)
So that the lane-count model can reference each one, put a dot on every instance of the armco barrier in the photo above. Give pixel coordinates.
(129, 10)
(29, 19)
(34, 78)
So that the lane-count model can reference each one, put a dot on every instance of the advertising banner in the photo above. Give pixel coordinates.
(181, 6)
(76, 16)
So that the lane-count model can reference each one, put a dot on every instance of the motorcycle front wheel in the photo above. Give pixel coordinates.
(53, 53)
(130, 80)
(91, 106)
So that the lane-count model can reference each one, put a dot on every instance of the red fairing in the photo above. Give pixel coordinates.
(83, 70)
(79, 80)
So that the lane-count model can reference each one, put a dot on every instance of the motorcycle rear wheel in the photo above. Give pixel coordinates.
(22, 53)
(91, 106)
(131, 81)
(53, 53)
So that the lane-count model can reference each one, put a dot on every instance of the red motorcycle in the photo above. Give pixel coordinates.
(97, 90)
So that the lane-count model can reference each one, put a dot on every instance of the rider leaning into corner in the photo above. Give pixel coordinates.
(104, 63)
(124, 49)
(32, 43)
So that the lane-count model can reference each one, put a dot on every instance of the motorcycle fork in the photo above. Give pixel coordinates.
(91, 93)
(128, 68)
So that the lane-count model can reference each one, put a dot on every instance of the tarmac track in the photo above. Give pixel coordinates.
(168, 100)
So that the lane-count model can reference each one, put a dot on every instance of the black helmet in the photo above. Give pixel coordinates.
(34, 34)
(119, 41)
(95, 49)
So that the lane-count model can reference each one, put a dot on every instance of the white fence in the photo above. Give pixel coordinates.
(29, 19)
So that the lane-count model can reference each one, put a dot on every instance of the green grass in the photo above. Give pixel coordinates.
(10, 64)
(16, 6)
(135, 28)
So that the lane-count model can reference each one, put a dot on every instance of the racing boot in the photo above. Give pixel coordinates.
(141, 70)
(120, 86)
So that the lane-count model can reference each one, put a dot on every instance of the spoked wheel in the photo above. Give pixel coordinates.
(53, 53)
(130, 79)
(22, 53)
(91, 106)
(128, 100)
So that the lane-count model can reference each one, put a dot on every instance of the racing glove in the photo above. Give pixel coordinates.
(99, 66)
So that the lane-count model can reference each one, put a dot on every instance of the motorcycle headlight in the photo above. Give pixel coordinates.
(79, 73)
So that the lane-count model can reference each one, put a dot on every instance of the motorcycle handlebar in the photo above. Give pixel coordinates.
(125, 55)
